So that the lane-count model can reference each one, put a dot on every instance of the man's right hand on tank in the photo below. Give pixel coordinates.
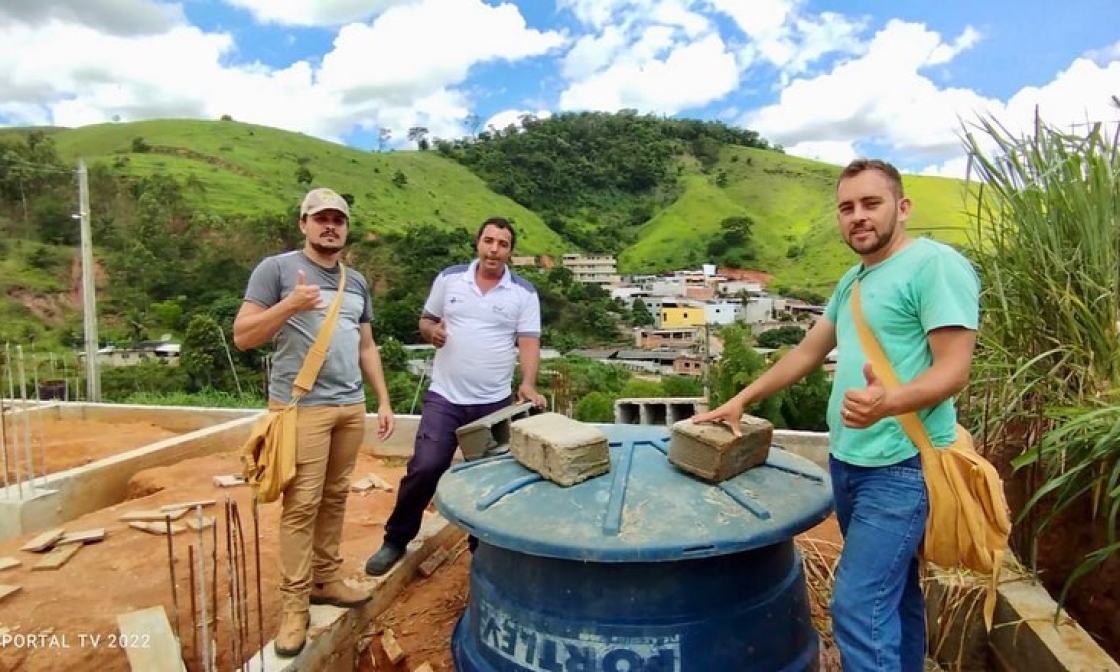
(304, 296)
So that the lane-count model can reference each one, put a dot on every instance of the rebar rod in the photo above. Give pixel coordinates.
(171, 569)
(257, 554)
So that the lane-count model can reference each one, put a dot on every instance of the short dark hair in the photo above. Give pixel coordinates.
(860, 165)
(501, 223)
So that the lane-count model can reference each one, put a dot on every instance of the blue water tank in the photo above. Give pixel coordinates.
(642, 569)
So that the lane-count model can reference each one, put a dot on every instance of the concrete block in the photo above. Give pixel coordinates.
(712, 453)
(490, 435)
(562, 450)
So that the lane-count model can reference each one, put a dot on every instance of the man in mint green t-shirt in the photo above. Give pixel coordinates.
(921, 300)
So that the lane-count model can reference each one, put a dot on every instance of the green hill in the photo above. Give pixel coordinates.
(790, 201)
(183, 208)
(234, 168)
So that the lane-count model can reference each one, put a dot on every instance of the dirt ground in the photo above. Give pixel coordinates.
(65, 444)
(61, 611)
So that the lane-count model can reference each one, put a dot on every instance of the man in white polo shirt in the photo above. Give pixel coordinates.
(481, 317)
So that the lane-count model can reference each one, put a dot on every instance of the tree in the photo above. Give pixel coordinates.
(304, 175)
(418, 134)
(640, 315)
(595, 407)
(203, 351)
(776, 338)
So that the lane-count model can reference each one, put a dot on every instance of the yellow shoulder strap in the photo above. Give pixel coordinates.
(305, 380)
(910, 422)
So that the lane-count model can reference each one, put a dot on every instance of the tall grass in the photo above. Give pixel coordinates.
(1047, 376)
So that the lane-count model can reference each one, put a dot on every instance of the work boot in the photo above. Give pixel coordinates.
(338, 594)
(292, 634)
(384, 559)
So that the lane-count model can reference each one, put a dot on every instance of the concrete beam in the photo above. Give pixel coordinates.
(334, 635)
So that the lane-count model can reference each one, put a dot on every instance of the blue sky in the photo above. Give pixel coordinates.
(826, 79)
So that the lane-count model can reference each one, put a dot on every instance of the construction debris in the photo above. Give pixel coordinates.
(8, 563)
(149, 642)
(157, 528)
(57, 557)
(429, 566)
(186, 505)
(6, 590)
(152, 515)
(228, 481)
(370, 482)
(711, 452)
(192, 522)
(393, 650)
(44, 541)
(424, 667)
(90, 536)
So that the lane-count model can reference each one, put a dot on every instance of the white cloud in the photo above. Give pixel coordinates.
(885, 99)
(838, 152)
(402, 70)
(506, 118)
(591, 53)
(116, 17)
(315, 12)
(649, 55)
(880, 96)
(781, 34)
(1105, 55)
(690, 75)
(421, 47)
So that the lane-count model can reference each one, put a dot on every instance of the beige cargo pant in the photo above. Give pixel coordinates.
(328, 439)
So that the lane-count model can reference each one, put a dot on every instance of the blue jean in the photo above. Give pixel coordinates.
(432, 453)
(878, 613)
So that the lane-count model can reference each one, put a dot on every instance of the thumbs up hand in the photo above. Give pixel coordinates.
(304, 296)
(862, 408)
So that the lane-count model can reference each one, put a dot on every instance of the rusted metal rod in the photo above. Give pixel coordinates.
(231, 588)
(257, 554)
(171, 569)
(194, 605)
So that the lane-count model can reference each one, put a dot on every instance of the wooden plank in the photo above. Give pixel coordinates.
(57, 557)
(8, 563)
(44, 541)
(187, 505)
(8, 590)
(152, 515)
(157, 528)
(393, 650)
(429, 566)
(228, 481)
(148, 641)
(89, 536)
(207, 521)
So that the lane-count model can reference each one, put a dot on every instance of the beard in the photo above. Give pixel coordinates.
(877, 241)
(333, 248)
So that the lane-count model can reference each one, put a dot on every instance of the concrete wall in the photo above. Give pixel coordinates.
(180, 419)
(65, 495)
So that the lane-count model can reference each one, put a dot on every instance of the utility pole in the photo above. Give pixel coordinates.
(705, 371)
(89, 290)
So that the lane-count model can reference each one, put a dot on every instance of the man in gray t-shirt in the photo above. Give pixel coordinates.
(286, 302)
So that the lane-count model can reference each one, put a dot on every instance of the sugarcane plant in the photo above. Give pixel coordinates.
(1046, 384)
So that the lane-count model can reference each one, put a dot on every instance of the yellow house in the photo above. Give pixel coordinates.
(681, 316)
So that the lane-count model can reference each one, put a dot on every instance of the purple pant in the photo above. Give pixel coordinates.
(431, 458)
